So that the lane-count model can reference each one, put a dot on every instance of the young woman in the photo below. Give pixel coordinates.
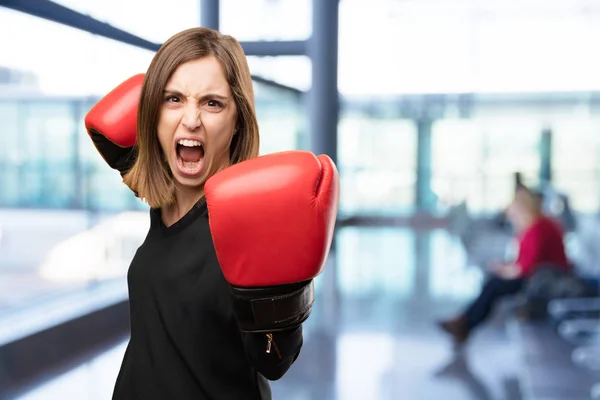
(194, 333)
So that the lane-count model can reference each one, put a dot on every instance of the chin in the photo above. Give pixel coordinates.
(190, 183)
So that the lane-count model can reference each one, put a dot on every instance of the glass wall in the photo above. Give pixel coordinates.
(478, 143)
(48, 161)
(377, 162)
(475, 159)
(576, 159)
(281, 118)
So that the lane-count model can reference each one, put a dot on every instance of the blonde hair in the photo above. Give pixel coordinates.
(150, 176)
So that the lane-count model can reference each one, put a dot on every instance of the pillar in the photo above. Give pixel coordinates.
(323, 101)
(424, 200)
(209, 14)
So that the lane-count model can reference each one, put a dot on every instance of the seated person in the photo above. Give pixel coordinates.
(540, 243)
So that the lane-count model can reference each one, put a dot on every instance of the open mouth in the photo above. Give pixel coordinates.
(190, 156)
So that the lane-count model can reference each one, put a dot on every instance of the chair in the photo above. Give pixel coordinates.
(579, 318)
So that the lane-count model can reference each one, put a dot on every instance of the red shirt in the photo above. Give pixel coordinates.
(542, 243)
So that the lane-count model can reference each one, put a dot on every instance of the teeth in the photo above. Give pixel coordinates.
(189, 143)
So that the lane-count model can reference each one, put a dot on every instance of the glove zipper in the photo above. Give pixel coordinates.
(270, 342)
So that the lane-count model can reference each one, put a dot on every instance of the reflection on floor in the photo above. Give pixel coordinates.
(372, 332)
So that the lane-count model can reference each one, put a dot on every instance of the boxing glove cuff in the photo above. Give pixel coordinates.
(272, 309)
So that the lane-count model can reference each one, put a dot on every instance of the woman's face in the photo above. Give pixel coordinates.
(197, 121)
(514, 214)
(521, 211)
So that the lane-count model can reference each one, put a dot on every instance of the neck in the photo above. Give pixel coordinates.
(185, 200)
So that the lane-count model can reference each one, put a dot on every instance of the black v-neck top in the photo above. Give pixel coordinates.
(185, 343)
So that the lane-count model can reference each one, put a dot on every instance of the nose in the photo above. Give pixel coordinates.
(191, 118)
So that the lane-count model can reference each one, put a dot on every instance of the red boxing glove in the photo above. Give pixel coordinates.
(112, 123)
(272, 220)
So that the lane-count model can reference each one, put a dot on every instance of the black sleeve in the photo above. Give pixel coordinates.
(285, 349)
(118, 158)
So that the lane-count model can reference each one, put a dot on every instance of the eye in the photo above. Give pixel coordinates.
(214, 104)
(172, 99)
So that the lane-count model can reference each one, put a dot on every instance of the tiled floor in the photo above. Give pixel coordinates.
(372, 333)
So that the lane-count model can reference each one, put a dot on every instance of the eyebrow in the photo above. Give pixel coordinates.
(206, 96)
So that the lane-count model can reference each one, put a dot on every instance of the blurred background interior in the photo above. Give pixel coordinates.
(430, 109)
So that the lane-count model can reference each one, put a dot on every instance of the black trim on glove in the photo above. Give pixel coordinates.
(273, 308)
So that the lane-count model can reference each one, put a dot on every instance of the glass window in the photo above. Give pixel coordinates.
(293, 71)
(10, 158)
(377, 161)
(576, 161)
(281, 119)
(39, 157)
(456, 160)
(511, 145)
(475, 160)
(47, 153)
